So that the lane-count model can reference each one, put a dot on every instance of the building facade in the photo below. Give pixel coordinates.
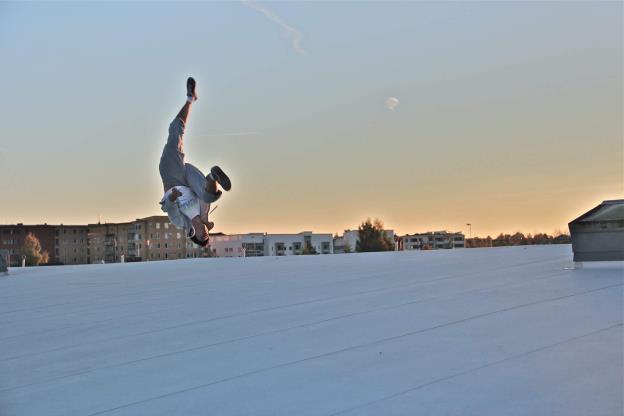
(432, 241)
(145, 239)
(12, 239)
(71, 244)
(261, 244)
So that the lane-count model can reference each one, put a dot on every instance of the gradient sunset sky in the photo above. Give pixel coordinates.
(506, 115)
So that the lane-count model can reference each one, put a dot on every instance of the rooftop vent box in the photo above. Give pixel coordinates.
(598, 235)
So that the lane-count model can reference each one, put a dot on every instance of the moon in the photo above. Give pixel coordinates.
(392, 103)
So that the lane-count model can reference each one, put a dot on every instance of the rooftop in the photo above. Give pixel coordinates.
(497, 331)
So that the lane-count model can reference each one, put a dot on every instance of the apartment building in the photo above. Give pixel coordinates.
(263, 244)
(108, 242)
(70, 244)
(145, 239)
(432, 240)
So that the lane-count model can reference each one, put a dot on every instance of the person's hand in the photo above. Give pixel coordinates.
(174, 194)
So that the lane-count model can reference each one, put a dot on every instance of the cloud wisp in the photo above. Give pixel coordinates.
(293, 34)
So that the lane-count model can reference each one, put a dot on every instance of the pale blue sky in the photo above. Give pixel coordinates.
(510, 114)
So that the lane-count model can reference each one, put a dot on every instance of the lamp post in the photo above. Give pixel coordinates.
(470, 230)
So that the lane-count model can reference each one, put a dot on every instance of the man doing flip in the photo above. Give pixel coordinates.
(188, 193)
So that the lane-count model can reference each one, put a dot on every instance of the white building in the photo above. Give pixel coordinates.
(289, 244)
(260, 244)
(239, 245)
(432, 240)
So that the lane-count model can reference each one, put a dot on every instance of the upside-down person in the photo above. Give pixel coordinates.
(188, 192)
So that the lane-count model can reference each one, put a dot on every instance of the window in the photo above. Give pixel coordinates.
(166, 245)
(178, 236)
(158, 225)
(166, 226)
(158, 246)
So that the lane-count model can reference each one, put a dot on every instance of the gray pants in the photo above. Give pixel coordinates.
(174, 171)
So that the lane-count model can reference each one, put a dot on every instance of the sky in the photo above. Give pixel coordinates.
(427, 115)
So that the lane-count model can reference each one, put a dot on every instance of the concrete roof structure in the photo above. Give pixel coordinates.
(598, 235)
(502, 331)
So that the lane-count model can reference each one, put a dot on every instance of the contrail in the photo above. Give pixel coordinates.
(291, 32)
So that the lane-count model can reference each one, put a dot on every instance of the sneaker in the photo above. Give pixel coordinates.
(190, 88)
(221, 178)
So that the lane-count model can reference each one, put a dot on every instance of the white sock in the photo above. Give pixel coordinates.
(189, 99)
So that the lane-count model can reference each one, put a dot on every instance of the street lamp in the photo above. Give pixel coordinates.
(470, 225)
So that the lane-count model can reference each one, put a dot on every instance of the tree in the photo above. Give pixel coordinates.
(347, 247)
(372, 237)
(308, 249)
(31, 249)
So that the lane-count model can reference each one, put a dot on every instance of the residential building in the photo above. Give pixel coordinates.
(261, 244)
(293, 244)
(145, 239)
(432, 240)
(239, 245)
(108, 242)
(71, 244)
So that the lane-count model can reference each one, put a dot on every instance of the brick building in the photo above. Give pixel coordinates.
(145, 239)
(12, 239)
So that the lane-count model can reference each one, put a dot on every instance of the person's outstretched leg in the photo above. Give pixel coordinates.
(172, 171)
(191, 97)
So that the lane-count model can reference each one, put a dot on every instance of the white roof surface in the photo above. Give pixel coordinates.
(503, 331)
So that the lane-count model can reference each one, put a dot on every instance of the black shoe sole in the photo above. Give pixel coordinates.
(190, 87)
(221, 177)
